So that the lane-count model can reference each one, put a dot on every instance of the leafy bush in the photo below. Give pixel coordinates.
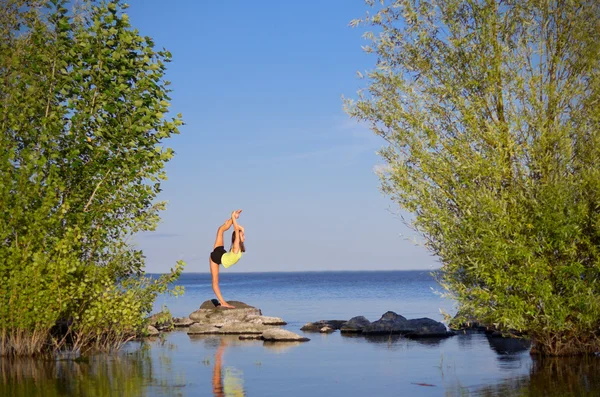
(82, 107)
(492, 115)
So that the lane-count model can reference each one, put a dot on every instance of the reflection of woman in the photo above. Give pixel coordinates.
(231, 385)
(219, 256)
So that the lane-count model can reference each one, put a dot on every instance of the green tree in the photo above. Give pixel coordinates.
(83, 105)
(491, 113)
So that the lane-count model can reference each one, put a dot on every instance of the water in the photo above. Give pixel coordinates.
(328, 365)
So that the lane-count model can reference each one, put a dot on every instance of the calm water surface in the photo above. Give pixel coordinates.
(328, 365)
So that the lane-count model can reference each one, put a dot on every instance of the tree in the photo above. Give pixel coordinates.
(82, 108)
(491, 113)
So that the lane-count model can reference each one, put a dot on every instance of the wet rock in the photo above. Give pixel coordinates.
(180, 322)
(389, 323)
(250, 337)
(264, 320)
(355, 325)
(326, 330)
(242, 328)
(202, 329)
(392, 323)
(212, 313)
(152, 331)
(316, 326)
(282, 335)
(426, 327)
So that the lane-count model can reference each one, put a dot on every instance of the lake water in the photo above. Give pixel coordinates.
(328, 365)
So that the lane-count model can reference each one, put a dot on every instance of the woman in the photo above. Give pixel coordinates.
(221, 257)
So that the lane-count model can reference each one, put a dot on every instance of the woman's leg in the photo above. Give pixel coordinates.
(225, 226)
(214, 271)
(214, 267)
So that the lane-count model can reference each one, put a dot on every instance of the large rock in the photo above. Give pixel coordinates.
(389, 323)
(282, 335)
(318, 325)
(264, 320)
(180, 322)
(211, 312)
(392, 323)
(242, 328)
(355, 325)
(426, 327)
(202, 329)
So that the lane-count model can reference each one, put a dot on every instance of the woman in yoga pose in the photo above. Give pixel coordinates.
(219, 256)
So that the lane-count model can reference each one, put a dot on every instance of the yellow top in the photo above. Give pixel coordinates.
(230, 258)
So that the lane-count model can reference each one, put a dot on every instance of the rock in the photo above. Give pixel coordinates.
(214, 304)
(209, 313)
(152, 331)
(426, 327)
(316, 326)
(326, 330)
(389, 323)
(242, 328)
(246, 337)
(282, 335)
(355, 325)
(162, 321)
(265, 320)
(179, 322)
(392, 323)
(202, 329)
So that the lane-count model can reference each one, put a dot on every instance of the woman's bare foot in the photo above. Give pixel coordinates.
(227, 305)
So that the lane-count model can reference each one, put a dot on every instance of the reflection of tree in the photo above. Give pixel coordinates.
(231, 384)
(554, 377)
(129, 373)
(102, 375)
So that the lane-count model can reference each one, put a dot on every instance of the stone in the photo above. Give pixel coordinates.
(355, 325)
(250, 337)
(180, 322)
(419, 327)
(202, 329)
(392, 323)
(152, 331)
(326, 330)
(242, 328)
(389, 323)
(265, 320)
(282, 335)
(211, 313)
(316, 326)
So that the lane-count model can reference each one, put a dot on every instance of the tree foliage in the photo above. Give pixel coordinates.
(83, 104)
(491, 113)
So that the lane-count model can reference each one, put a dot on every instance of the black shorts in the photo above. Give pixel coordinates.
(217, 254)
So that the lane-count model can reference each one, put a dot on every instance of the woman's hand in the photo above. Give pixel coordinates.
(235, 214)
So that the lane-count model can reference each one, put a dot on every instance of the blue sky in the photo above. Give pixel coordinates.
(259, 85)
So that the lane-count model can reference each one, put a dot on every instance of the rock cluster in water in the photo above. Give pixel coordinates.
(210, 319)
(389, 323)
